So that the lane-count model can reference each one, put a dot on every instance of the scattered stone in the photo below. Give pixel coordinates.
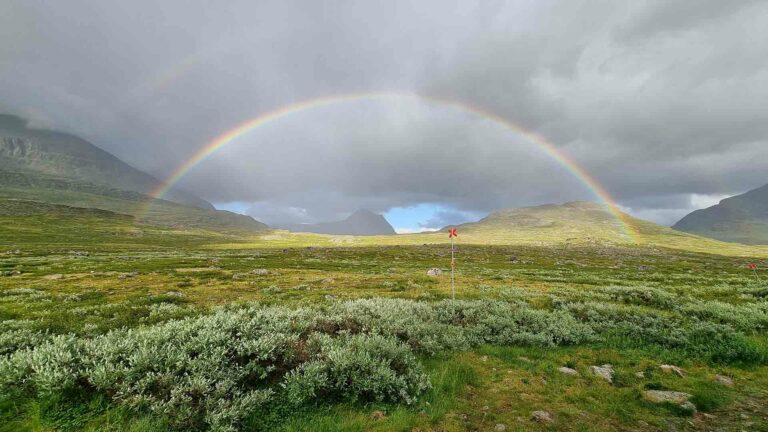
(330, 297)
(643, 268)
(328, 281)
(434, 272)
(239, 276)
(513, 260)
(640, 374)
(542, 416)
(642, 424)
(56, 276)
(10, 273)
(485, 408)
(80, 253)
(724, 380)
(668, 369)
(568, 371)
(378, 415)
(128, 275)
(500, 427)
(605, 372)
(261, 272)
(677, 398)
(484, 358)
(525, 359)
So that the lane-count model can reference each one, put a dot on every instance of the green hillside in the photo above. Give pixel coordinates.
(62, 155)
(68, 192)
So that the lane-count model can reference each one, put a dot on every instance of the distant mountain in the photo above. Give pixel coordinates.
(361, 223)
(65, 171)
(742, 218)
(58, 154)
(554, 223)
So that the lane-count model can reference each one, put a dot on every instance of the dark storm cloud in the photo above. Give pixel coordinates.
(662, 101)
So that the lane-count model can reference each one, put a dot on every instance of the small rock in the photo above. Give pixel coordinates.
(484, 358)
(378, 415)
(642, 268)
(568, 371)
(605, 372)
(56, 276)
(238, 276)
(678, 398)
(724, 380)
(434, 272)
(673, 369)
(640, 374)
(261, 272)
(525, 359)
(500, 427)
(642, 424)
(330, 297)
(542, 416)
(328, 281)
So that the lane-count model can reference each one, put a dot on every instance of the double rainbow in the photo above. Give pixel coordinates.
(558, 155)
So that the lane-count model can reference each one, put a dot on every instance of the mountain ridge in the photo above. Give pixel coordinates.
(361, 222)
(60, 154)
(741, 218)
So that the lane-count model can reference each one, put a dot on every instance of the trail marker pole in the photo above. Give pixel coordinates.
(451, 235)
(753, 266)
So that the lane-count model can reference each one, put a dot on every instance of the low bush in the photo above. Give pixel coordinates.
(213, 371)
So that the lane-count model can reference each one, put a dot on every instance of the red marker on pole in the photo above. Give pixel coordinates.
(753, 266)
(451, 235)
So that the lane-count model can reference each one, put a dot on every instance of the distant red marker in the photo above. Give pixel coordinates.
(452, 233)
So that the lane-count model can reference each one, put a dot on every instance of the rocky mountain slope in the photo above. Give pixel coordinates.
(742, 218)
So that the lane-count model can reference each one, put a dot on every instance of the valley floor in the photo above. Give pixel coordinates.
(546, 307)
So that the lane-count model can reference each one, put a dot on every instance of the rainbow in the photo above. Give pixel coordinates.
(555, 153)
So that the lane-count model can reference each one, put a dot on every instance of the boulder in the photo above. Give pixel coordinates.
(673, 397)
(669, 369)
(568, 371)
(542, 416)
(434, 272)
(724, 380)
(605, 372)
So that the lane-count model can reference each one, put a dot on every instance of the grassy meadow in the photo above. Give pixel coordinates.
(110, 325)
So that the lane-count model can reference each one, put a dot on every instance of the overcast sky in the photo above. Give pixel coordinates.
(663, 102)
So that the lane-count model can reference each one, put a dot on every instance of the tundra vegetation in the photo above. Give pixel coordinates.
(105, 325)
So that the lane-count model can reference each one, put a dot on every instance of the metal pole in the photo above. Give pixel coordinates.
(453, 280)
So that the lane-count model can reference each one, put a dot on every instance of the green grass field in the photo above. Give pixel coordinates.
(108, 324)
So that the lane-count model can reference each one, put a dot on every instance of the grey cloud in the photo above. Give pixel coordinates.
(658, 100)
